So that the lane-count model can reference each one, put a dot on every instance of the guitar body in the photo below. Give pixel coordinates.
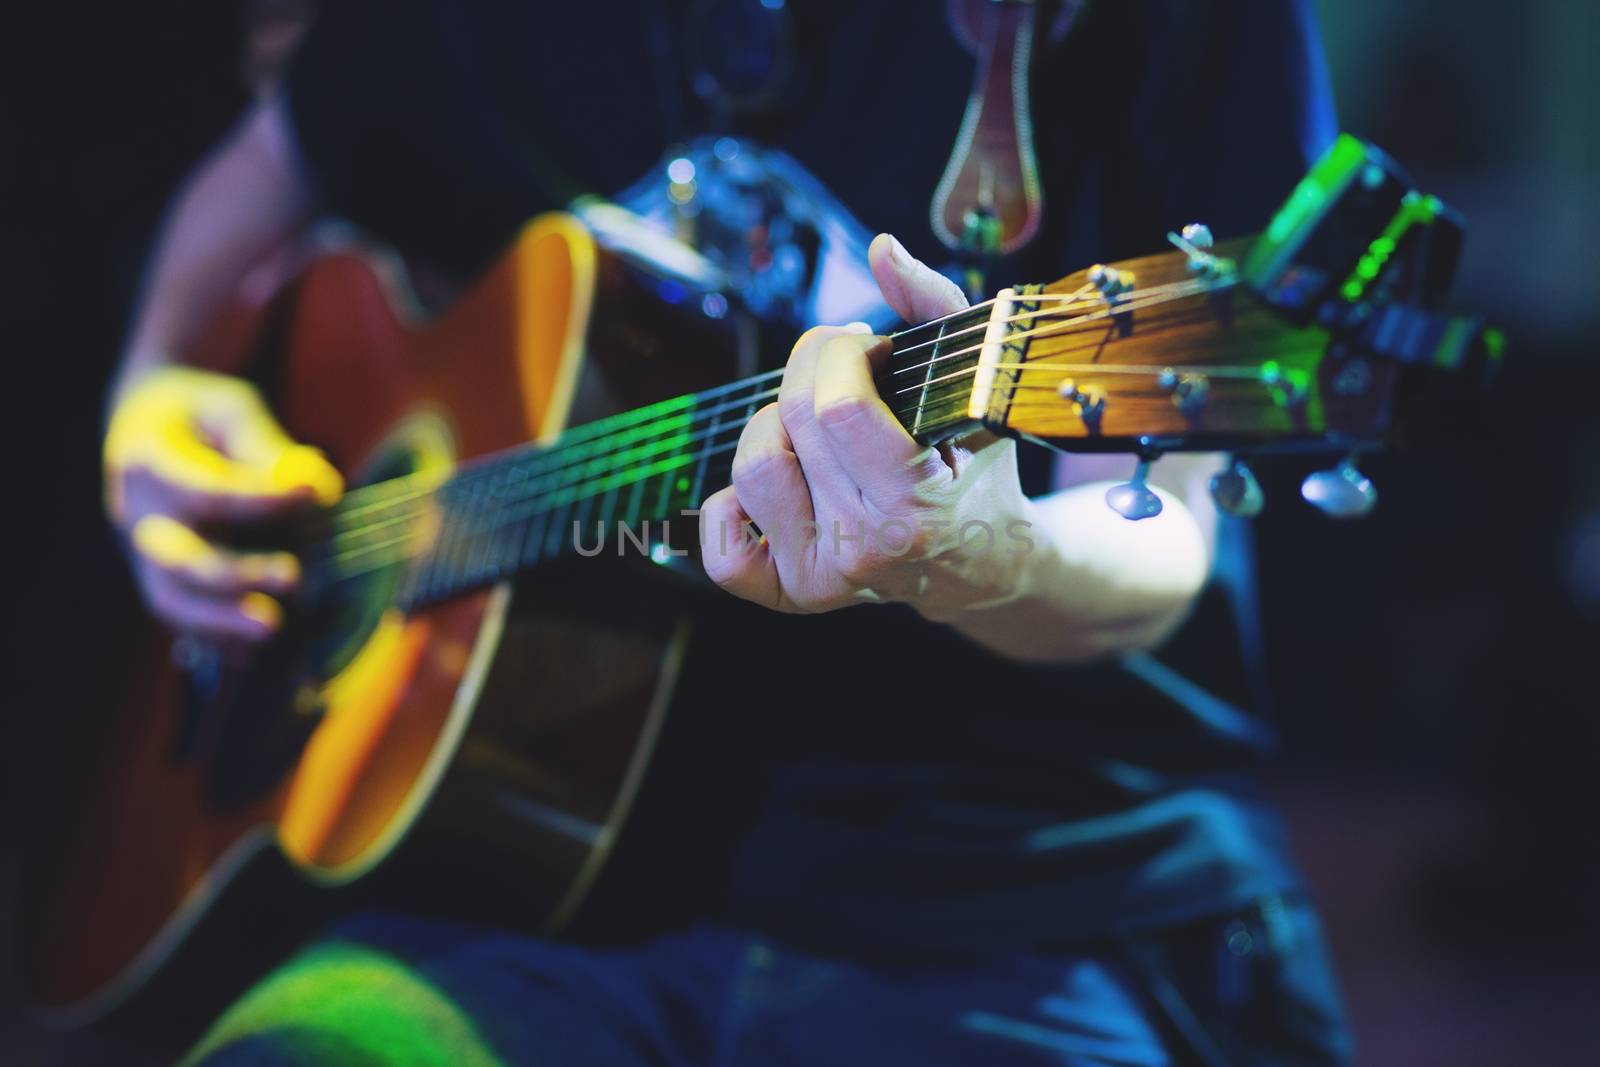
(522, 714)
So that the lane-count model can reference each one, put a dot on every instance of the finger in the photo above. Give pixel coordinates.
(734, 556)
(248, 434)
(298, 473)
(145, 491)
(208, 569)
(829, 483)
(915, 290)
(870, 444)
(251, 618)
(211, 435)
(772, 490)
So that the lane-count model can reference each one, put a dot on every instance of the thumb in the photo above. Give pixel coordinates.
(915, 290)
(248, 434)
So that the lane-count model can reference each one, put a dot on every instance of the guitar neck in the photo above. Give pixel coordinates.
(616, 484)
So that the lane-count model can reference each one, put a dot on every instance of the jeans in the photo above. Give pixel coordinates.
(386, 991)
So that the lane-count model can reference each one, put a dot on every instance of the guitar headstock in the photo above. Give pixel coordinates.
(1151, 354)
(1293, 341)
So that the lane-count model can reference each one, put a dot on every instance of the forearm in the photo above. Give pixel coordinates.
(242, 203)
(1090, 584)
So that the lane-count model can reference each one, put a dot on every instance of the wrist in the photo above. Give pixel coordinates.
(988, 566)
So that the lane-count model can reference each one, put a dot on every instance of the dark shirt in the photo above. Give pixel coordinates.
(866, 775)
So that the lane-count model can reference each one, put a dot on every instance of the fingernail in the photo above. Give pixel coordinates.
(260, 608)
(897, 251)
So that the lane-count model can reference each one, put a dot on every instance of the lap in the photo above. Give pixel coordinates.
(400, 992)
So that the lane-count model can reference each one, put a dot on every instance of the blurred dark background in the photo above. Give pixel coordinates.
(1434, 666)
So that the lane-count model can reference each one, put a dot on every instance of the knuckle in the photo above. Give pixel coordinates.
(794, 406)
(757, 464)
(842, 410)
(861, 568)
(723, 569)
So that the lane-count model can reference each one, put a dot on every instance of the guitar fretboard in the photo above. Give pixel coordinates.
(621, 478)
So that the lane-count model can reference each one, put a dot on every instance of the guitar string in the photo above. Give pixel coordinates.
(657, 447)
(1121, 308)
(357, 500)
(565, 451)
(619, 480)
(1067, 300)
(414, 486)
(625, 420)
(1080, 295)
(616, 480)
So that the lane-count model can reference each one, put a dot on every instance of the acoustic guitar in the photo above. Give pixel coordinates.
(426, 673)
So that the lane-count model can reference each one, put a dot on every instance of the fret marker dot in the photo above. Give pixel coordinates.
(683, 485)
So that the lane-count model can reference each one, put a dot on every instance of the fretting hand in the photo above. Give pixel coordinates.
(849, 506)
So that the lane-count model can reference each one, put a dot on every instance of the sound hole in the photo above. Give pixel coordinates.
(263, 713)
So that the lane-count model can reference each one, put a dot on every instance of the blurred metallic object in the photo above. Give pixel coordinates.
(1236, 491)
(1341, 492)
(1134, 499)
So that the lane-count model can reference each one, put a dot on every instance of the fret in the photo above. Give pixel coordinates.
(501, 534)
(507, 546)
(533, 540)
(478, 537)
(936, 407)
(928, 374)
(557, 535)
(458, 556)
(522, 470)
(698, 493)
(441, 572)
(517, 511)
(635, 498)
(665, 494)
(477, 524)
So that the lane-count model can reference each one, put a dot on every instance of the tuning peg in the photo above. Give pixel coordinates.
(1341, 492)
(1194, 242)
(1189, 391)
(1134, 499)
(1237, 492)
(1199, 235)
(1090, 399)
(1111, 281)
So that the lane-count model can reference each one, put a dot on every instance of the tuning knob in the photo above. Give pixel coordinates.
(1112, 282)
(1199, 235)
(1189, 391)
(1134, 499)
(1341, 492)
(1236, 491)
(1090, 399)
